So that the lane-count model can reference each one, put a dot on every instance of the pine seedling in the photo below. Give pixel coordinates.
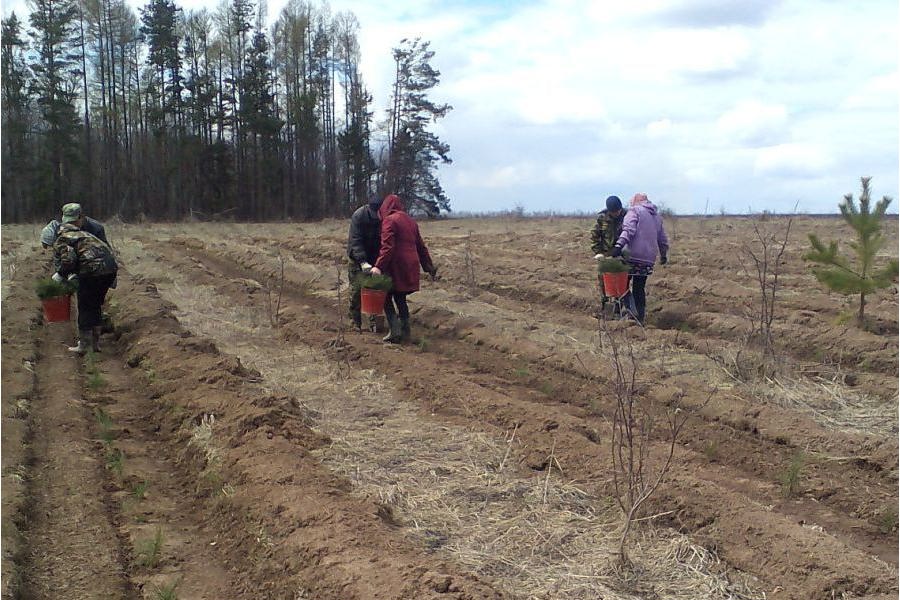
(860, 276)
(115, 461)
(790, 478)
(106, 431)
(103, 418)
(149, 551)
(95, 381)
(139, 490)
(887, 520)
(166, 592)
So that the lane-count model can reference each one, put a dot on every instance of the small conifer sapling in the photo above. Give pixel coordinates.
(859, 275)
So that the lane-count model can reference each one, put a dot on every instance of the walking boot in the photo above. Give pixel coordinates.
(356, 317)
(95, 338)
(84, 337)
(405, 333)
(394, 334)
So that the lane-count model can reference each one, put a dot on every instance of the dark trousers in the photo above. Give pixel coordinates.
(639, 294)
(91, 295)
(398, 298)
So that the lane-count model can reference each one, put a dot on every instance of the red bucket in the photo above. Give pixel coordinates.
(372, 301)
(57, 309)
(615, 284)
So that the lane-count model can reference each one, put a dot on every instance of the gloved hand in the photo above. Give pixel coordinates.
(663, 259)
(599, 256)
(58, 278)
(433, 273)
(616, 251)
(366, 267)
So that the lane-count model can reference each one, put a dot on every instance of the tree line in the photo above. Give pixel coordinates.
(166, 114)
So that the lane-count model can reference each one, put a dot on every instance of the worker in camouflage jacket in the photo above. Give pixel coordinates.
(605, 233)
(82, 255)
(51, 230)
(363, 244)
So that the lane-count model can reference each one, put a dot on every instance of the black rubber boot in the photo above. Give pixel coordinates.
(95, 338)
(356, 317)
(405, 333)
(394, 335)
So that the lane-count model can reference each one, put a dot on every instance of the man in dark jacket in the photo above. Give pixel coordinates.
(363, 244)
(605, 233)
(84, 255)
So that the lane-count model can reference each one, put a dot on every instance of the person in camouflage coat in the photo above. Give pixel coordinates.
(605, 233)
(80, 254)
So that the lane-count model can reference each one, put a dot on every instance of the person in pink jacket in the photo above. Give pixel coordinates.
(643, 235)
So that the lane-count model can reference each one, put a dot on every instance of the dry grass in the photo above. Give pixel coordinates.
(834, 405)
(556, 541)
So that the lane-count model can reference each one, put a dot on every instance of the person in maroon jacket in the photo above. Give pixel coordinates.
(402, 251)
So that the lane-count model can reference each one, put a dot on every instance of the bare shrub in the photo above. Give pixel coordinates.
(469, 264)
(274, 293)
(765, 252)
(635, 479)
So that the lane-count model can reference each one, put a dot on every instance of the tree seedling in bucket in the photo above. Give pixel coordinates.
(47, 288)
(375, 282)
(612, 265)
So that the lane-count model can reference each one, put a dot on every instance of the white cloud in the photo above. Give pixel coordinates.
(659, 128)
(792, 160)
(879, 92)
(753, 123)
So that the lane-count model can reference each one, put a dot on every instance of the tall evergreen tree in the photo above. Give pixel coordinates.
(55, 68)
(414, 151)
(160, 26)
(16, 117)
(261, 125)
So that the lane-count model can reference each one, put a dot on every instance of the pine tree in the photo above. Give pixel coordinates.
(862, 276)
(160, 26)
(260, 125)
(414, 150)
(16, 117)
(56, 76)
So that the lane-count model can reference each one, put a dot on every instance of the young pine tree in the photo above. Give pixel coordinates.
(861, 276)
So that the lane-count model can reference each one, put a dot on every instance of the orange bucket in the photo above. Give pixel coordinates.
(57, 309)
(372, 301)
(615, 284)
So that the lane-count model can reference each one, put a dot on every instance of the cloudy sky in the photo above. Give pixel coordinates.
(739, 104)
(702, 104)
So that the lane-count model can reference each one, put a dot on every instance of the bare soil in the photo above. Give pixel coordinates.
(288, 456)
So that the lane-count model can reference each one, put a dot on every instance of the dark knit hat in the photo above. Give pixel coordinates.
(613, 203)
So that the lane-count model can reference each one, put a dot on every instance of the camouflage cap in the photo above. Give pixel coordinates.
(71, 212)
